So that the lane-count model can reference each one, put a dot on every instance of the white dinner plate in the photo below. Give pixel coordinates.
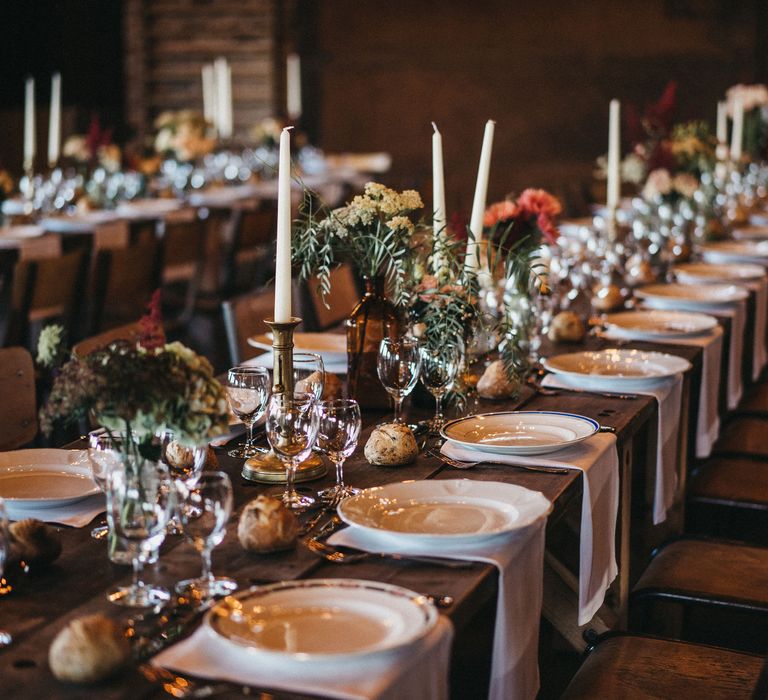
(690, 296)
(147, 208)
(455, 511)
(519, 432)
(21, 231)
(78, 223)
(322, 621)
(654, 324)
(45, 478)
(753, 232)
(332, 347)
(707, 272)
(615, 367)
(735, 252)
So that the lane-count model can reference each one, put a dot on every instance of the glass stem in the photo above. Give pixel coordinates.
(138, 566)
(290, 473)
(249, 438)
(398, 408)
(205, 556)
(340, 474)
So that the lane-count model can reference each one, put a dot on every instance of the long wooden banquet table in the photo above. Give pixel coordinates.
(43, 602)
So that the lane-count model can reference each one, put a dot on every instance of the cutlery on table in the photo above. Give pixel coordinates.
(544, 391)
(458, 464)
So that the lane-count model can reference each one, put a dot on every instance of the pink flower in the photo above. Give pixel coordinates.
(533, 201)
(500, 211)
(547, 228)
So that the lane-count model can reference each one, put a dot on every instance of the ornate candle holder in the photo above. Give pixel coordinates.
(266, 467)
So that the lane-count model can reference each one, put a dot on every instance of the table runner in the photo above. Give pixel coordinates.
(419, 670)
(519, 557)
(668, 394)
(708, 419)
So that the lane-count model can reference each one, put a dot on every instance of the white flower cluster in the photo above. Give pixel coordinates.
(660, 183)
(751, 96)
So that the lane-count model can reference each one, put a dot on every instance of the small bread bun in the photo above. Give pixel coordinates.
(567, 326)
(266, 525)
(390, 445)
(88, 650)
(607, 297)
(495, 384)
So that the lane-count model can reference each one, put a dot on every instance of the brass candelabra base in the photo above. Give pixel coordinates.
(266, 468)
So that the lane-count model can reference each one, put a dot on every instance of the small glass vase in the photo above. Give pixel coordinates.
(373, 319)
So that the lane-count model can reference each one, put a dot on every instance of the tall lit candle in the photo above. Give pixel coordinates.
(438, 198)
(54, 121)
(224, 97)
(29, 124)
(210, 111)
(478, 204)
(293, 86)
(614, 157)
(722, 122)
(283, 258)
(737, 135)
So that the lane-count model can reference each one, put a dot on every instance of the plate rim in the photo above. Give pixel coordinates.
(759, 271)
(741, 293)
(556, 447)
(430, 613)
(447, 538)
(546, 362)
(711, 321)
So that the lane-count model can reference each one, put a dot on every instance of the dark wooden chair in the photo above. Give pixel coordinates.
(18, 410)
(42, 290)
(701, 590)
(340, 302)
(646, 668)
(247, 262)
(130, 331)
(243, 317)
(122, 283)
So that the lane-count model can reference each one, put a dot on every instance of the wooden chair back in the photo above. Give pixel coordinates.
(243, 317)
(342, 299)
(183, 245)
(18, 409)
(249, 248)
(46, 288)
(130, 331)
(122, 283)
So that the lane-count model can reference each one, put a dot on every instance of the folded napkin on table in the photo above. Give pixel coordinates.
(668, 394)
(708, 421)
(419, 670)
(75, 514)
(519, 557)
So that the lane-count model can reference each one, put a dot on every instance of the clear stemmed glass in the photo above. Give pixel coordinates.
(398, 368)
(248, 391)
(438, 370)
(140, 499)
(292, 422)
(337, 435)
(185, 464)
(308, 374)
(103, 455)
(5, 637)
(204, 517)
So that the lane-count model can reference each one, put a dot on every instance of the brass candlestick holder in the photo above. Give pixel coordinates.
(266, 467)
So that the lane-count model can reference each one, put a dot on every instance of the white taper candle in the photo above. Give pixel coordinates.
(54, 121)
(283, 257)
(472, 260)
(613, 193)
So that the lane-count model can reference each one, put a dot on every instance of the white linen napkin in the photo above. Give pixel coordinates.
(759, 358)
(419, 670)
(519, 557)
(76, 514)
(708, 420)
(668, 394)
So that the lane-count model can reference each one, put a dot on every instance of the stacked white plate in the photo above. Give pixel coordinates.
(147, 208)
(657, 324)
(706, 273)
(690, 296)
(78, 223)
(332, 347)
(616, 369)
(753, 232)
(735, 252)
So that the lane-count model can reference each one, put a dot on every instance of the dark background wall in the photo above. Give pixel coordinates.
(375, 74)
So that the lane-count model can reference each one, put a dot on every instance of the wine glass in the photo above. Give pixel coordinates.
(104, 455)
(204, 517)
(185, 464)
(337, 436)
(248, 391)
(140, 499)
(398, 368)
(5, 544)
(308, 374)
(438, 370)
(292, 422)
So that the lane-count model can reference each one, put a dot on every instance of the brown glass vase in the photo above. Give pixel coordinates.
(373, 319)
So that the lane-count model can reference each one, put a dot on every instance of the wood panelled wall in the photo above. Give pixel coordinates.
(168, 41)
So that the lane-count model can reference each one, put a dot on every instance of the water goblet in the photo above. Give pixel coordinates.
(337, 435)
(140, 499)
(104, 455)
(438, 370)
(205, 513)
(185, 464)
(248, 391)
(292, 423)
(398, 368)
(308, 374)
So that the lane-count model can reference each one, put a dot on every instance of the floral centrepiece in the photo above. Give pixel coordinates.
(183, 135)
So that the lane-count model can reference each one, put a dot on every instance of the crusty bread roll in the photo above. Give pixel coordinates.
(391, 444)
(34, 542)
(607, 297)
(266, 525)
(567, 326)
(88, 650)
(495, 384)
